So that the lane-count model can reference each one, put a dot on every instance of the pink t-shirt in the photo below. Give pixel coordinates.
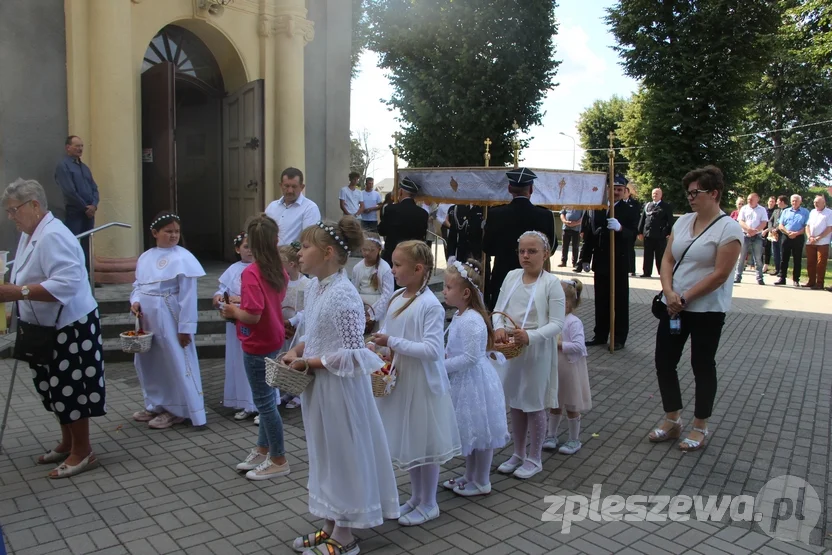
(258, 297)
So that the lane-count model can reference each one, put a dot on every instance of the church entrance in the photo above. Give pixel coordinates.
(202, 151)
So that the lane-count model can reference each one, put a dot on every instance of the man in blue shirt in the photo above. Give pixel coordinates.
(571, 235)
(792, 226)
(80, 192)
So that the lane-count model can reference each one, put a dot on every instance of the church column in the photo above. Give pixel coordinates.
(113, 132)
(291, 31)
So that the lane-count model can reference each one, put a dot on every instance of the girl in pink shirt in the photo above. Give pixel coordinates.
(261, 333)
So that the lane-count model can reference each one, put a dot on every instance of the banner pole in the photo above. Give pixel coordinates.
(611, 196)
(484, 257)
(395, 175)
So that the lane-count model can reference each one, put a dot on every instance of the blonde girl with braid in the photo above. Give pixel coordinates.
(418, 415)
(476, 390)
(373, 278)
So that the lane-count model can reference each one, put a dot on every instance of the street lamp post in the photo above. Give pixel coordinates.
(574, 147)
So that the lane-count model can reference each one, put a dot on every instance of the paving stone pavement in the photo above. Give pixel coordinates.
(176, 491)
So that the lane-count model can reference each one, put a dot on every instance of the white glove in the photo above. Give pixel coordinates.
(613, 224)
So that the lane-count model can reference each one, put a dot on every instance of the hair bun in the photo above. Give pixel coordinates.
(350, 229)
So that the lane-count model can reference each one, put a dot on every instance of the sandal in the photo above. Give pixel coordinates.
(689, 444)
(53, 457)
(658, 435)
(310, 540)
(332, 547)
(65, 471)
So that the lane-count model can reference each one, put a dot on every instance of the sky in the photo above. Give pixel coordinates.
(589, 71)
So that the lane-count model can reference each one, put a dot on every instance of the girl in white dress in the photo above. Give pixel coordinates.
(373, 278)
(164, 297)
(237, 392)
(418, 415)
(534, 300)
(476, 390)
(351, 483)
(293, 303)
(573, 378)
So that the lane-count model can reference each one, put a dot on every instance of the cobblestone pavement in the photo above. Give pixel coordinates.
(176, 491)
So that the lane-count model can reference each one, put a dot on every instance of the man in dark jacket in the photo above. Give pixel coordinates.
(505, 224)
(464, 232)
(654, 228)
(597, 240)
(402, 221)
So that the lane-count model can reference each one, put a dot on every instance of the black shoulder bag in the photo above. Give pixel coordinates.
(35, 343)
(658, 307)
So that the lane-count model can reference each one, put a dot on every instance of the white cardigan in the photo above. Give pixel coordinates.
(549, 303)
(53, 258)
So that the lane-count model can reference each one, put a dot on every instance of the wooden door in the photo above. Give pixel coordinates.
(158, 143)
(243, 159)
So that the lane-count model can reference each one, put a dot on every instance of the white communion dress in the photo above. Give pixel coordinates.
(165, 287)
(237, 393)
(419, 415)
(476, 390)
(377, 299)
(351, 480)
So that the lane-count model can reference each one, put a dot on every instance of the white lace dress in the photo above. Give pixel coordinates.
(476, 389)
(237, 392)
(378, 299)
(351, 480)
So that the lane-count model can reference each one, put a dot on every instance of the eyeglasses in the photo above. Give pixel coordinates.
(13, 210)
(530, 252)
(693, 194)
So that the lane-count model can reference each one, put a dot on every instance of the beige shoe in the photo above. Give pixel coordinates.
(144, 416)
(268, 470)
(165, 420)
(253, 460)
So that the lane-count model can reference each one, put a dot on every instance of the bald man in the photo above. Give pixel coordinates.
(653, 229)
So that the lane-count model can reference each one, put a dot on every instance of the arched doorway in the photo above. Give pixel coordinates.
(202, 152)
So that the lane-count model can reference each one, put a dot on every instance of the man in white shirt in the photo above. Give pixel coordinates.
(351, 197)
(293, 212)
(818, 237)
(753, 219)
(372, 205)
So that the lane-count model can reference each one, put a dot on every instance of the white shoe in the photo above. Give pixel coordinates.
(551, 443)
(244, 415)
(570, 447)
(509, 467)
(529, 469)
(419, 516)
(268, 470)
(257, 420)
(472, 490)
(253, 460)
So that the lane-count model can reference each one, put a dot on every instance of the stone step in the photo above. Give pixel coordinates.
(123, 306)
(208, 346)
(210, 323)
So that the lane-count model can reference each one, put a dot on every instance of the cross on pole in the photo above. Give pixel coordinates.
(487, 144)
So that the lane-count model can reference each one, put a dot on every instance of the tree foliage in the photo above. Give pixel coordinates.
(697, 62)
(359, 33)
(464, 70)
(594, 126)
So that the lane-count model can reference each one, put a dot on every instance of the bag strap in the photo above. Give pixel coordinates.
(35, 314)
(676, 267)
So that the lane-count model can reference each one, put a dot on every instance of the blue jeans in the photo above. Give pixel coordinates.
(755, 245)
(270, 434)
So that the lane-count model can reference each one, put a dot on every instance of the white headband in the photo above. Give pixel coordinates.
(374, 240)
(538, 235)
(463, 270)
(331, 230)
(163, 218)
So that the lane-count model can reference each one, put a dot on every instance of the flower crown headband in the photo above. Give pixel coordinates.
(162, 219)
(238, 240)
(295, 245)
(462, 268)
(331, 230)
(538, 235)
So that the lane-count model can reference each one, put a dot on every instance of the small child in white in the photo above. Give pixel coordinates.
(373, 278)
(293, 304)
(573, 378)
(237, 392)
(164, 297)
(476, 390)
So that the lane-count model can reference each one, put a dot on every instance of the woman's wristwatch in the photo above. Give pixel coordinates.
(24, 291)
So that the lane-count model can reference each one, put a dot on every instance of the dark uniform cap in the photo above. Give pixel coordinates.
(521, 177)
(409, 185)
(620, 181)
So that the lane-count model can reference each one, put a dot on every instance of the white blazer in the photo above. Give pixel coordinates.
(54, 259)
(549, 303)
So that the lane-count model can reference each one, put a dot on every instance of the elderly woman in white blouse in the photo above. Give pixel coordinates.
(50, 286)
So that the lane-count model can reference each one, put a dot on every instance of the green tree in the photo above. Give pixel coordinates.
(594, 126)
(359, 33)
(358, 156)
(697, 61)
(463, 71)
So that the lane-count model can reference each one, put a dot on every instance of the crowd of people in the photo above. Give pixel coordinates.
(515, 347)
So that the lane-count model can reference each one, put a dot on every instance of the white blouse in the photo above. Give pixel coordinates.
(52, 257)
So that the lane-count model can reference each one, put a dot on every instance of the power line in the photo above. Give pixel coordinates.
(767, 131)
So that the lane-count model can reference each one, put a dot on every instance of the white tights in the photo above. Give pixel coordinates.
(423, 482)
(533, 424)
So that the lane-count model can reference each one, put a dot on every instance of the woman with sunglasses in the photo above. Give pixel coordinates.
(696, 283)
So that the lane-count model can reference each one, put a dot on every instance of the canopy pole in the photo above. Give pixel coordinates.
(611, 196)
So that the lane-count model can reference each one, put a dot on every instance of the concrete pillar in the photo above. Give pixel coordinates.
(112, 90)
(291, 31)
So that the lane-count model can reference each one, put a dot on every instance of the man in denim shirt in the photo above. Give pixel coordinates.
(80, 192)
(792, 227)
(571, 235)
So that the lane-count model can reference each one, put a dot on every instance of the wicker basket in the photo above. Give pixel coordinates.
(280, 376)
(135, 344)
(370, 319)
(509, 350)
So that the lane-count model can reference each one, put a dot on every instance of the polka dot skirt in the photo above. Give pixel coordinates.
(72, 386)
